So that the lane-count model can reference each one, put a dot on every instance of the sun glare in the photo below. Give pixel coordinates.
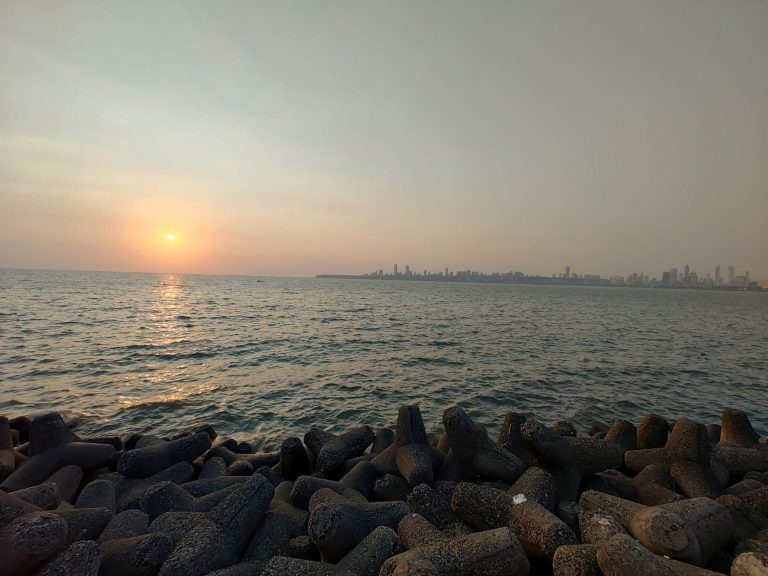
(170, 237)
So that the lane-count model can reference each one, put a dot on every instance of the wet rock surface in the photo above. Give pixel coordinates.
(631, 499)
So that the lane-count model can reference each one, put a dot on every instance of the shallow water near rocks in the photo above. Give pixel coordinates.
(264, 358)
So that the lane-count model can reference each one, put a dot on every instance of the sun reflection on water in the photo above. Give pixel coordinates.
(162, 380)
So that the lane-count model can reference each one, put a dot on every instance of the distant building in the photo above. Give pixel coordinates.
(395, 271)
(687, 274)
(740, 281)
(693, 279)
(567, 271)
(407, 270)
(672, 276)
(731, 275)
(718, 280)
(666, 278)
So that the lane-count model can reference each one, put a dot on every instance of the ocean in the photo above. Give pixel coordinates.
(266, 358)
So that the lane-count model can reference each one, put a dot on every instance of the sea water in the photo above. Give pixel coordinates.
(265, 358)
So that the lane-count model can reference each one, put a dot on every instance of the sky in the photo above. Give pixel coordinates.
(304, 137)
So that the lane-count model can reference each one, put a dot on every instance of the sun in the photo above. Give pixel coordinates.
(170, 237)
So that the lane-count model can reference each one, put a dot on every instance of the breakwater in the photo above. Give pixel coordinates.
(650, 497)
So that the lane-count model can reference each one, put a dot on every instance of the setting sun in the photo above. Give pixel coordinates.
(170, 237)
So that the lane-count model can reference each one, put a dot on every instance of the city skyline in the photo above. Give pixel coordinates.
(686, 277)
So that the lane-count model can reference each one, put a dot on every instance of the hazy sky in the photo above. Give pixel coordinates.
(295, 138)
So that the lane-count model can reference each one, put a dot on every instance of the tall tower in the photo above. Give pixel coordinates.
(395, 274)
(717, 276)
(687, 274)
(731, 274)
(673, 275)
(567, 271)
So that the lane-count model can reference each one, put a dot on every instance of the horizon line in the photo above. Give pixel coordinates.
(310, 276)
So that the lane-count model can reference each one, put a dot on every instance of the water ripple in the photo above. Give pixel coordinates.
(263, 360)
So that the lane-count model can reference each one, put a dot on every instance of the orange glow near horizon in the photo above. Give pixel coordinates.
(168, 235)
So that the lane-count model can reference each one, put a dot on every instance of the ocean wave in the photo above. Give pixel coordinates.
(265, 362)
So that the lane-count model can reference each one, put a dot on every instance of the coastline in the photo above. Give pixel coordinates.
(533, 281)
(675, 497)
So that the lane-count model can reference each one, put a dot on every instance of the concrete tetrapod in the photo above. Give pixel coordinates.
(623, 433)
(281, 522)
(38, 468)
(622, 555)
(47, 432)
(651, 486)
(471, 447)
(361, 478)
(294, 460)
(98, 494)
(125, 525)
(414, 530)
(305, 487)
(337, 450)
(284, 566)
(750, 564)
(592, 455)
(215, 467)
(576, 560)
(621, 509)
(690, 530)
(137, 556)
(144, 462)
(491, 553)
(367, 557)
(739, 459)
(169, 497)
(45, 496)
(539, 531)
(736, 429)
(434, 503)
(510, 438)
(569, 459)
(12, 507)
(209, 485)
(652, 432)
(739, 449)
(687, 454)
(79, 559)
(758, 499)
(21, 424)
(598, 527)
(129, 491)
(7, 461)
(176, 525)
(336, 525)
(480, 506)
(565, 428)
(218, 540)
(31, 540)
(413, 458)
(538, 485)
(68, 479)
(391, 487)
(85, 523)
(384, 438)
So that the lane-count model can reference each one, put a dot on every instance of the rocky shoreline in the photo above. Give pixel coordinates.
(670, 498)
